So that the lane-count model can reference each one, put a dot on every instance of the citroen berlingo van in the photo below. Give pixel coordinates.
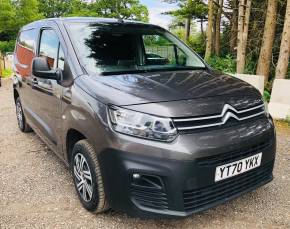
(143, 123)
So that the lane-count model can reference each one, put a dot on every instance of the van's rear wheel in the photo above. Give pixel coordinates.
(87, 177)
(21, 120)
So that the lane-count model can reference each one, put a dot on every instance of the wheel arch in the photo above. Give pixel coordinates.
(15, 94)
(72, 137)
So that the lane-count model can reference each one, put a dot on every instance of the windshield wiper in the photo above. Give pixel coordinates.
(180, 68)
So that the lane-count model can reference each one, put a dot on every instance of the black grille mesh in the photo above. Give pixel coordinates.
(201, 198)
(233, 155)
(156, 199)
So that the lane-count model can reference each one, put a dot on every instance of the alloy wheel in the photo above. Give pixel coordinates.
(83, 177)
(19, 115)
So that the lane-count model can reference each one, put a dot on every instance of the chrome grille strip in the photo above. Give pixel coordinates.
(225, 109)
(227, 113)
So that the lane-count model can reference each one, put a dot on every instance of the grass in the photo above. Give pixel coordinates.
(288, 118)
(6, 73)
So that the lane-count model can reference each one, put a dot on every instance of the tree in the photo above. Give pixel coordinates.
(55, 8)
(218, 27)
(7, 20)
(243, 27)
(283, 60)
(264, 61)
(234, 25)
(124, 9)
(209, 31)
(26, 12)
(188, 10)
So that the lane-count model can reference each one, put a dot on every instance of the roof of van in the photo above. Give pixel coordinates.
(88, 20)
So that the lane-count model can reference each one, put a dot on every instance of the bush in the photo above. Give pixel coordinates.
(225, 64)
(267, 96)
(288, 117)
(197, 43)
(6, 73)
(7, 46)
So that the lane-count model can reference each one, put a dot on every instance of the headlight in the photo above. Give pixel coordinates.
(142, 125)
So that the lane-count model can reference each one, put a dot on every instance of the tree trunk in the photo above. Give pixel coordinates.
(243, 27)
(240, 36)
(187, 29)
(264, 62)
(218, 28)
(281, 69)
(209, 32)
(246, 26)
(201, 27)
(234, 26)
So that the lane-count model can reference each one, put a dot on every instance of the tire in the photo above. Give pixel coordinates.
(87, 177)
(21, 120)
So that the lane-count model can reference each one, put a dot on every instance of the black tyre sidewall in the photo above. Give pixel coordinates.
(23, 118)
(94, 202)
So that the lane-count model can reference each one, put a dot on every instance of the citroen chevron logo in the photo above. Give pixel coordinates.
(227, 114)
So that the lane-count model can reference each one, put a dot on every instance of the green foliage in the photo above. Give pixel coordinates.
(7, 19)
(124, 9)
(250, 67)
(55, 8)
(7, 46)
(196, 40)
(197, 43)
(155, 40)
(27, 11)
(288, 117)
(6, 73)
(189, 9)
(225, 64)
(267, 96)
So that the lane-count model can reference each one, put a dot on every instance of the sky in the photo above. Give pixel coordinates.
(156, 8)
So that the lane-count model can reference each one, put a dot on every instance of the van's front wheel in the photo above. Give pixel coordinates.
(87, 177)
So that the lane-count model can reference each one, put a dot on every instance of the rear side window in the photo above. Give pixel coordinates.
(25, 51)
(51, 49)
(27, 39)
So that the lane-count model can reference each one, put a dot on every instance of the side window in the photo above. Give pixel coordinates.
(51, 49)
(27, 39)
(161, 51)
(25, 50)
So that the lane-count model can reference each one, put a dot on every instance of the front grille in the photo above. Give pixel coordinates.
(198, 199)
(233, 155)
(229, 114)
(155, 199)
(148, 191)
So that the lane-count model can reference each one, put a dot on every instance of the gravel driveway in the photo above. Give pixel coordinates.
(36, 189)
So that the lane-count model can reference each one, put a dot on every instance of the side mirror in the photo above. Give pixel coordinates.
(41, 69)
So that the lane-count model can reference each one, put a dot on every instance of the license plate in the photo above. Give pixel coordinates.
(238, 167)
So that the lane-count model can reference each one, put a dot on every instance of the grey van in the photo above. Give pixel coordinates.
(143, 123)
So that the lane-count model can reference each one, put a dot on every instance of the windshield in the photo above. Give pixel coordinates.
(116, 48)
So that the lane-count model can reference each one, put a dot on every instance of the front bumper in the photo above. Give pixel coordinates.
(180, 187)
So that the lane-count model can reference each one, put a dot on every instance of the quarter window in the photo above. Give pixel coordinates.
(27, 39)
